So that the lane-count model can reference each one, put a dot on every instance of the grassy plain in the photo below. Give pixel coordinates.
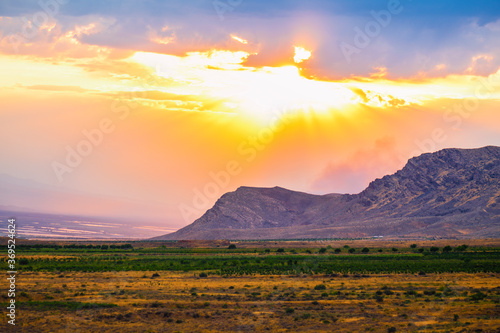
(451, 291)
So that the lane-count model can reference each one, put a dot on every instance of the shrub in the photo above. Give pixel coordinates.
(447, 248)
(413, 246)
(477, 296)
(280, 250)
(320, 287)
(352, 250)
(322, 250)
(394, 249)
(365, 250)
(289, 310)
(338, 250)
(391, 329)
(203, 275)
(455, 317)
(231, 247)
(23, 261)
(411, 292)
(461, 248)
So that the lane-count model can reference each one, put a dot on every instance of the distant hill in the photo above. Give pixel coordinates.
(449, 193)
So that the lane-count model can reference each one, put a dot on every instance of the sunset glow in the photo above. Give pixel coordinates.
(165, 104)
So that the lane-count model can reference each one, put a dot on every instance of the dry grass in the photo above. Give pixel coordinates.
(178, 302)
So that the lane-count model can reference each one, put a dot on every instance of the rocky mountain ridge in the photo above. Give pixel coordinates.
(449, 193)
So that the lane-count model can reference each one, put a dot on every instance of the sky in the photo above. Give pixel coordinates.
(151, 110)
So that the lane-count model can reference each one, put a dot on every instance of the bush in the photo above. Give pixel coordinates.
(289, 310)
(338, 250)
(394, 249)
(411, 292)
(461, 248)
(365, 250)
(320, 287)
(231, 247)
(413, 246)
(322, 250)
(477, 296)
(434, 249)
(391, 329)
(447, 248)
(203, 275)
(280, 250)
(352, 250)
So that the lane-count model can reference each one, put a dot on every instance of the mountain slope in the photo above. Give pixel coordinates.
(450, 193)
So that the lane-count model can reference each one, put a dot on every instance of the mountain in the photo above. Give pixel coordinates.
(449, 193)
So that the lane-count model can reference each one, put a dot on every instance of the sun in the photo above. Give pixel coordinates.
(301, 54)
(220, 78)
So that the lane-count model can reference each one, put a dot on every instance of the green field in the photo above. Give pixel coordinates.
(235, 261)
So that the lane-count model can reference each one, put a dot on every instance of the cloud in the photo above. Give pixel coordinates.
(415, 43)
(57, 88)
(64, 38)
(353, 174)
(371, 98)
